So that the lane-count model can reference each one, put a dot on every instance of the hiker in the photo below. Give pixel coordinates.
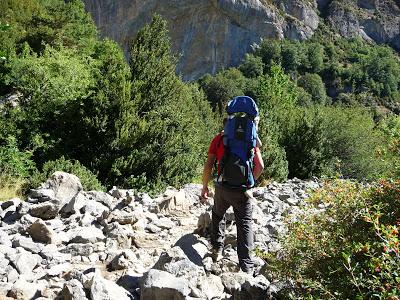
(229, 193)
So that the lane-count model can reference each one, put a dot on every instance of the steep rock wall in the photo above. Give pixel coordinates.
(373, 20)
(208, 35)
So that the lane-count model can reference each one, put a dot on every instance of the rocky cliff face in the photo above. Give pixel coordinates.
(208, 34)
(373, 20)
(213, 34)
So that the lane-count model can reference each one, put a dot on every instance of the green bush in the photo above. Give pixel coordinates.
(349, 250)
(270, 52)
(252, 66)
(13, 162)
(306, 146)
(313, 84)
(274, 157)
(223, 87)
(327, 141)
(315, 57)
(352, 141)
(389, 151)
(16, 167)
(88, 179)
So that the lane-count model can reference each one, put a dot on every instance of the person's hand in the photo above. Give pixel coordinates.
(204, 193)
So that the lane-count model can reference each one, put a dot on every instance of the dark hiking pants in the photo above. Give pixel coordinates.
(242, 207)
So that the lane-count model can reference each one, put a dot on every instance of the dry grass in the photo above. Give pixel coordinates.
(11, 188)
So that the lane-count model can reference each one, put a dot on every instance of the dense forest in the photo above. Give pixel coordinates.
(71, 101)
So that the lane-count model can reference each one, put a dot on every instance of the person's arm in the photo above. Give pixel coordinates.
(207, 172)
(258, 164)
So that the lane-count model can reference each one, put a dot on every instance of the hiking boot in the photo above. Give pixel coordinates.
(216, 254)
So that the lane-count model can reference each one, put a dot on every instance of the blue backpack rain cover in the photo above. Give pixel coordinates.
(240, 138)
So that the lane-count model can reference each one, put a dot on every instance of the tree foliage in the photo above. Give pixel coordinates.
(162, 126)
(84, 109)
(223, 87)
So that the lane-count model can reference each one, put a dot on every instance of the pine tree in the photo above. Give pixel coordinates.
(161, 128)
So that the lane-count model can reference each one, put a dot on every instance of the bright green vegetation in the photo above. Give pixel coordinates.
(348, 251)
(85, 110)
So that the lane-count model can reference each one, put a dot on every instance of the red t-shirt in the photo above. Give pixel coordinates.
(217, 148)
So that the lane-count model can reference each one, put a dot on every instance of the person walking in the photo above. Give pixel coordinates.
(227, 195)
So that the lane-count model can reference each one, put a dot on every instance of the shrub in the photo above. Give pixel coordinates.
(389, 151)
(223, 87)
(307, 146)
(350, 249)
(88, 179)
(274, 157)
(314, 85)
(252, 66)
(15, 168)
(352, 141)
(13, 162)
(291, 55)
(270, 52)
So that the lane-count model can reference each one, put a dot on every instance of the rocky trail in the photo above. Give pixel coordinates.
(66, 243)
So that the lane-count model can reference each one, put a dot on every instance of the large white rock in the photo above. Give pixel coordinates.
(23, 289)
(86, 235)
(64, 186)
(105, 289)
(27, 243)
(174, 203)
(212, 287)
(161, 285)
(24, 261)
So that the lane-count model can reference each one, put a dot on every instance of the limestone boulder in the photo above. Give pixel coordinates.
(46, 210)
(174, 203)
(62, 186)
(23, 289)
(105, 289)
(160, 285)
(86, 235)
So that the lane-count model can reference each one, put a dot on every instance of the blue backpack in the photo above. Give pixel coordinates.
(240, 138)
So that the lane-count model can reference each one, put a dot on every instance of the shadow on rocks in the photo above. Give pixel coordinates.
(130, 283)
(186, 243)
